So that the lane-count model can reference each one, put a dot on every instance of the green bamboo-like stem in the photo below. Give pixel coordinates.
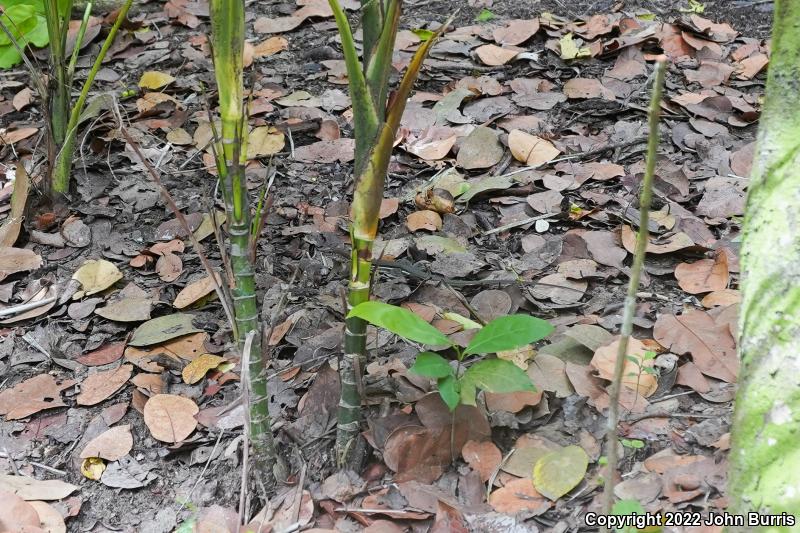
(629, 310)
(62, 165)
(227, 38)
(76, 50)
(59, 87)
(373, 152)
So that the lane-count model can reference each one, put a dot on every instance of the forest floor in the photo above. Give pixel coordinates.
(543, 151)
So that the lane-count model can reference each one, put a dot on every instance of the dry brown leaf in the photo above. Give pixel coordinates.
(198, 367)
(671, 243)
(101, 385)
(516, 32)
(341, 150)
(424, 220)
(9, 232)
(481, 149)
(265, 141)
(512, 402)
(690, 376)
(16, 513)
(519, 496)
(558, 289)
(270, 46)
(484, 457)
(32, 395)
(14, 136)
(605, 358)
(748, 68)
(104, 355)
(13, 260)
(170, 418)
(195, 290)
(186, 347)
(493, 55)
(695, 332)
(587, 88)
(29, 488)
(95, 275)
(530, 149)
(705, 275)
(50, 520)
(169, 267)
(432, 143)
(724, 298)
(110, 445)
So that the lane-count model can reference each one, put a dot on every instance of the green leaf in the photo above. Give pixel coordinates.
(9, 56)
(493, 375)
(448, 390)
(485, 16)
(560, 471)
(162, 329)
(570, 50)
(507, 333)
(399, 321)
(465, 322)
(431, 365)
(422, 33)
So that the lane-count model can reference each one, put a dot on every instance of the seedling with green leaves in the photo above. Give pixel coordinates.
(376, 116)
(457, 387)
(642, 368)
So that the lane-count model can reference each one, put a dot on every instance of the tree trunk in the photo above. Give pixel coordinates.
(765, 458)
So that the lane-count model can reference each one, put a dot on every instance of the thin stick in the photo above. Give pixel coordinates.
(184, 224)
(633, 286)
(245, 381)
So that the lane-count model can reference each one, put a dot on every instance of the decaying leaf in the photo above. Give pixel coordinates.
(634, 375)
(33, 395)
(96, 275)
(162, 329)
(197, 368)
(519, 496)
(110, 445)
(170, 418)
(560, 471)
(530, 149)
(101, 385)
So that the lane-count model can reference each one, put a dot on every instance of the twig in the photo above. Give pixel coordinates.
(518, 223)
(203, 472)
(630, 299)
(21, 308)
(184, 224)
(245, 381)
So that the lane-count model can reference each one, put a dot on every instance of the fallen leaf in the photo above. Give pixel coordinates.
(560, 290)
(104, 355)
(270, 46)
(705, 275)
(30, 489)
(530, 149)
(32, 395)
(341, 150)
(9, 232)
(16, 513)
(101, 385)
(724, 297)
(264, 141)
(93, 468)
(481, 149)
(424, 220)
(662, 245)
(50, 520)
(169, 267)
(13, 260)
(153, 79)
(484, 457)
(587, 88)
(519, 496)
(110, 445)
(493, 55)
(17, 135)
(127, 310)
(516, 32)
(633, 375)
(162, 329)
(96, 275)
(560, 471)
(695, 332)
(186, 347)
(198, 367)
(433, 143)
(195, 290)
(170, 418)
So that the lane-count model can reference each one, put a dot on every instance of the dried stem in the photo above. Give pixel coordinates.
(629, 311)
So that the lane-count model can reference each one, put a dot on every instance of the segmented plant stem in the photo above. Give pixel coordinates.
(629, 311)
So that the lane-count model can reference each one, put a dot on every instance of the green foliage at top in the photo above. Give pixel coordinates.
(492, 375)
(25, 20)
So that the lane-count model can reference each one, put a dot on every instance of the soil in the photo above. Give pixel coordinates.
(305, 267)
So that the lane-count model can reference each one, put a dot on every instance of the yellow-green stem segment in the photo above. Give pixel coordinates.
(227, 40)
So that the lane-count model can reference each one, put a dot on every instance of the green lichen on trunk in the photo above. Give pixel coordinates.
(765, 458)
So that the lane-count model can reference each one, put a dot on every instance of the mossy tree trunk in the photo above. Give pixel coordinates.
(765, 459)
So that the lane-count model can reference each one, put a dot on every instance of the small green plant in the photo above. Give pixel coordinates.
(457, 387)
(485, 16)
(642, 368)
(634, 444)
(26, 24)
